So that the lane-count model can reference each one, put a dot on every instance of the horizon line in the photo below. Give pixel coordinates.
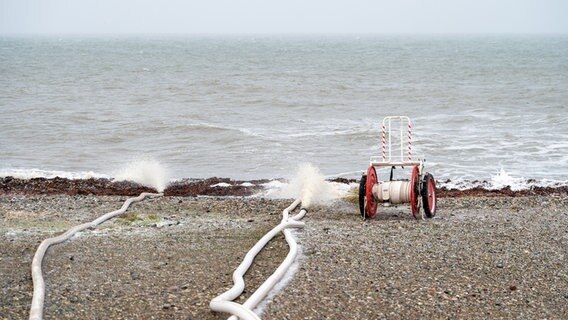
(280, 33)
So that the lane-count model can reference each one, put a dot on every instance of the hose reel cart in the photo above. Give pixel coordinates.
(418, 191)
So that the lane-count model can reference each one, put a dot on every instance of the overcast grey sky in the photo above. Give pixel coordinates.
(285, 16)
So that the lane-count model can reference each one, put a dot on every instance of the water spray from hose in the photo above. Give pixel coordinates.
(310, 187)
(147, 172)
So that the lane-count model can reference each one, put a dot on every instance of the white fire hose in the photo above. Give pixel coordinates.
(36, 310)
(224, 302)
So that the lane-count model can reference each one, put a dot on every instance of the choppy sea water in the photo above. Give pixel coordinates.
(483, 107)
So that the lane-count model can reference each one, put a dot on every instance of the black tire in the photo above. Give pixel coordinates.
(362, 187)
(426, 204)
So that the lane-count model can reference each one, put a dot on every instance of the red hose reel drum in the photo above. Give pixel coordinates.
(370, 202)
(414, 192)
(418, 188)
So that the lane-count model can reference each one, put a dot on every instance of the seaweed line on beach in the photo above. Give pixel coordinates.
(210, 187)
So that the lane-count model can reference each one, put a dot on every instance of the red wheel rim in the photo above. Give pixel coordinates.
(414, 192)
(370, 203)
(432, 195)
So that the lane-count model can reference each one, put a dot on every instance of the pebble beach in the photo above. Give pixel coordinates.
(482, 257)
(233, 113)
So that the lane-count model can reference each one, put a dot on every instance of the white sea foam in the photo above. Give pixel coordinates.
(272, 189)
(220, 184)
(501, 180)
(149, 173)
(504, 179)
(49, 174)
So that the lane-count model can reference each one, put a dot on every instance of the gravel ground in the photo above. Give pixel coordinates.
(490, 258)
(479, 258)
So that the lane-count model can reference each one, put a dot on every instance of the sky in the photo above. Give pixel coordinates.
(282, 17)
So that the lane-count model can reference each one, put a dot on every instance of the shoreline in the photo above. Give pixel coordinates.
(213, 187)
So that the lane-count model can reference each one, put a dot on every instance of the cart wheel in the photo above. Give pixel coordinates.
(414, 206)
(370, 202)
(429, 195)
(362, 195)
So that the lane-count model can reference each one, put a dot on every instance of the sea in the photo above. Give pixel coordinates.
(485, 109)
